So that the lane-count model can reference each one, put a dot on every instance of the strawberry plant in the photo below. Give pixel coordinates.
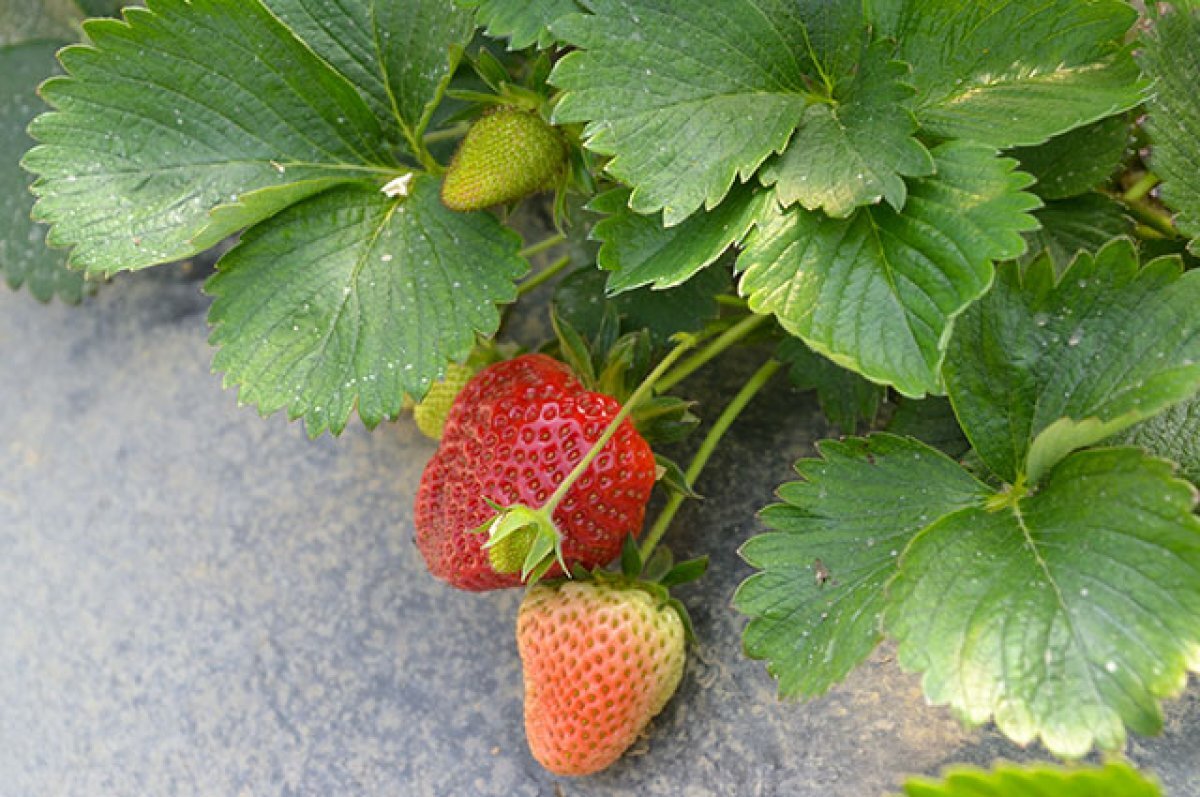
(970, 227)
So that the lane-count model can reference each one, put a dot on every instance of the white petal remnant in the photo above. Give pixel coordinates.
(398, 187)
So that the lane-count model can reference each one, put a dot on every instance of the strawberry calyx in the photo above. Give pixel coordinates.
(655, 576)
(613, 365)
(522, 540)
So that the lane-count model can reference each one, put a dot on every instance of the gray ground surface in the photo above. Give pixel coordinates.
(195, 601)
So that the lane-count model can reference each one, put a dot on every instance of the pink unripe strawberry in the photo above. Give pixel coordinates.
(600, 659)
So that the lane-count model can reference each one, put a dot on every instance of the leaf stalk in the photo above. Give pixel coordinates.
(544, 276)
(698, 360)
(707, 447)
(543, 245)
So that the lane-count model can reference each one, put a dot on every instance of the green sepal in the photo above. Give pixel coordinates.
(537, 571)
(631, 559)
(659, 560)
(689, 631)
(685, 572)
(671, 477)
(622, 358)
(539, 70)
(573, 348)
(659, 564)
(521, 539)
(489, 69)
(664, 419)
(506, 94)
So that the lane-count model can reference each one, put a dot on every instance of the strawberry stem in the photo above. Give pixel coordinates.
(698, 360)
(685, 342)
(1141, 188)
(543, 276)
(447, 134)
(707, 447)
(543, 245)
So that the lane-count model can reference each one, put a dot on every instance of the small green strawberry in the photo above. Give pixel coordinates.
(508, 154)
(600, 659)
(430, 413)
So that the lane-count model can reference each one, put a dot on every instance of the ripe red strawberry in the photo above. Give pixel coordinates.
(600, 660)
(508, 154)
(513, 435)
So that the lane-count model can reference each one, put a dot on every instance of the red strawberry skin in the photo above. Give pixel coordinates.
(515, 432)
(599, 661)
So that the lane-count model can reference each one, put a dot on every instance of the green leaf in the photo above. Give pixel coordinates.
(38, 20)
(1065, 615)
(342, 33)
(932, 421)
(1041, 366)
(1083, 223)
(685, 102)
(420, 43)
(1173, 434)
(351, 299)
(24, 257)
(182, 109)
(845, 397)
(640, 251)
(1076, 162)
(834, 37)
(877, 292)
(580, 298)
(855, 150)
(522, 22)
(1171, 56)
(1112, 780)
(815, 607)
(1017, 72)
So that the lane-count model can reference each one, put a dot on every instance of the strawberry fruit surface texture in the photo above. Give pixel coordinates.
(600, 660)
(515, 432)
(508, 154)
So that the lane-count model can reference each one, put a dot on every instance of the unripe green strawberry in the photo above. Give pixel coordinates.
(508, 154)
(508, 555)
(430, 413)
(600, 659)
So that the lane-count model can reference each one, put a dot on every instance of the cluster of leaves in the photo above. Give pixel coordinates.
(1112, 780)
(924, 197)
(1051, 581)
